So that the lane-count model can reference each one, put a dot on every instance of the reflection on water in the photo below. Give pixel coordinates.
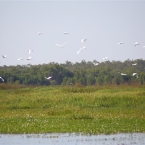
(73, 139)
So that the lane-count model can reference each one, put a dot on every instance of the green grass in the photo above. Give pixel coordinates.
(94, 110)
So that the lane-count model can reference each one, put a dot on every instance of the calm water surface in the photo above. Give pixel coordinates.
(72, 139)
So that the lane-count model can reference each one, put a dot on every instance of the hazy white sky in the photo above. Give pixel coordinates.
(102, 23)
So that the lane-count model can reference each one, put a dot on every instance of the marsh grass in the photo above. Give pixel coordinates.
(95, 110)
(8, 86)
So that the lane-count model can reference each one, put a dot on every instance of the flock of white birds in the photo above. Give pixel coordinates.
(134, 74)
(78, 52)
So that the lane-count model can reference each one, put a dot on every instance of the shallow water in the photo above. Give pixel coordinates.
(72, 139)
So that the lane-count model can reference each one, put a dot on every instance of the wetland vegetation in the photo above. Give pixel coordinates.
(67, 109)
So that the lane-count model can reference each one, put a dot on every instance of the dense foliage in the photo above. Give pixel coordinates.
(84, 73)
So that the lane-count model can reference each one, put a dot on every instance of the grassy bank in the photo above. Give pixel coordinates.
(95, 110)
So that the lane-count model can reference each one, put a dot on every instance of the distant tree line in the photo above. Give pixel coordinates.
(84, 73)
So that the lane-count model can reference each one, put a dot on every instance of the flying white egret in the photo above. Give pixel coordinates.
(2, 79)
(135, 74)
(4, 56)
(78, 52)
(39, 33)
(120, 43)
(105, 58)
(134, 64)
(84, 40)
(96, 64)
(66, 33)
(61, 45)
(143, 47)
(29, 58)
(81, 49)
(136, 43)
(84, 47)
(123, 74)
(48, 78)
(29, 51)
(20, 59)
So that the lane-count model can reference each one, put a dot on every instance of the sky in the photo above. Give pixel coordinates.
(102, 23)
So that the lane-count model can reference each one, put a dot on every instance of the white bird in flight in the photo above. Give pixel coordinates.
(105, 58)
(143, 47)
(84, 40)
(20, 59)
(81, 49)
(136, 43)
(96, 64)
(29, 51)
(48, 78)
(61, 45)
(120, 43)
(123, 74)
(66, 33)
(2, 79)
(39, 33)
(4, 56)
(84, 47)
(78, 52)
(29, 58)
(135, 74)
(134, 64)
